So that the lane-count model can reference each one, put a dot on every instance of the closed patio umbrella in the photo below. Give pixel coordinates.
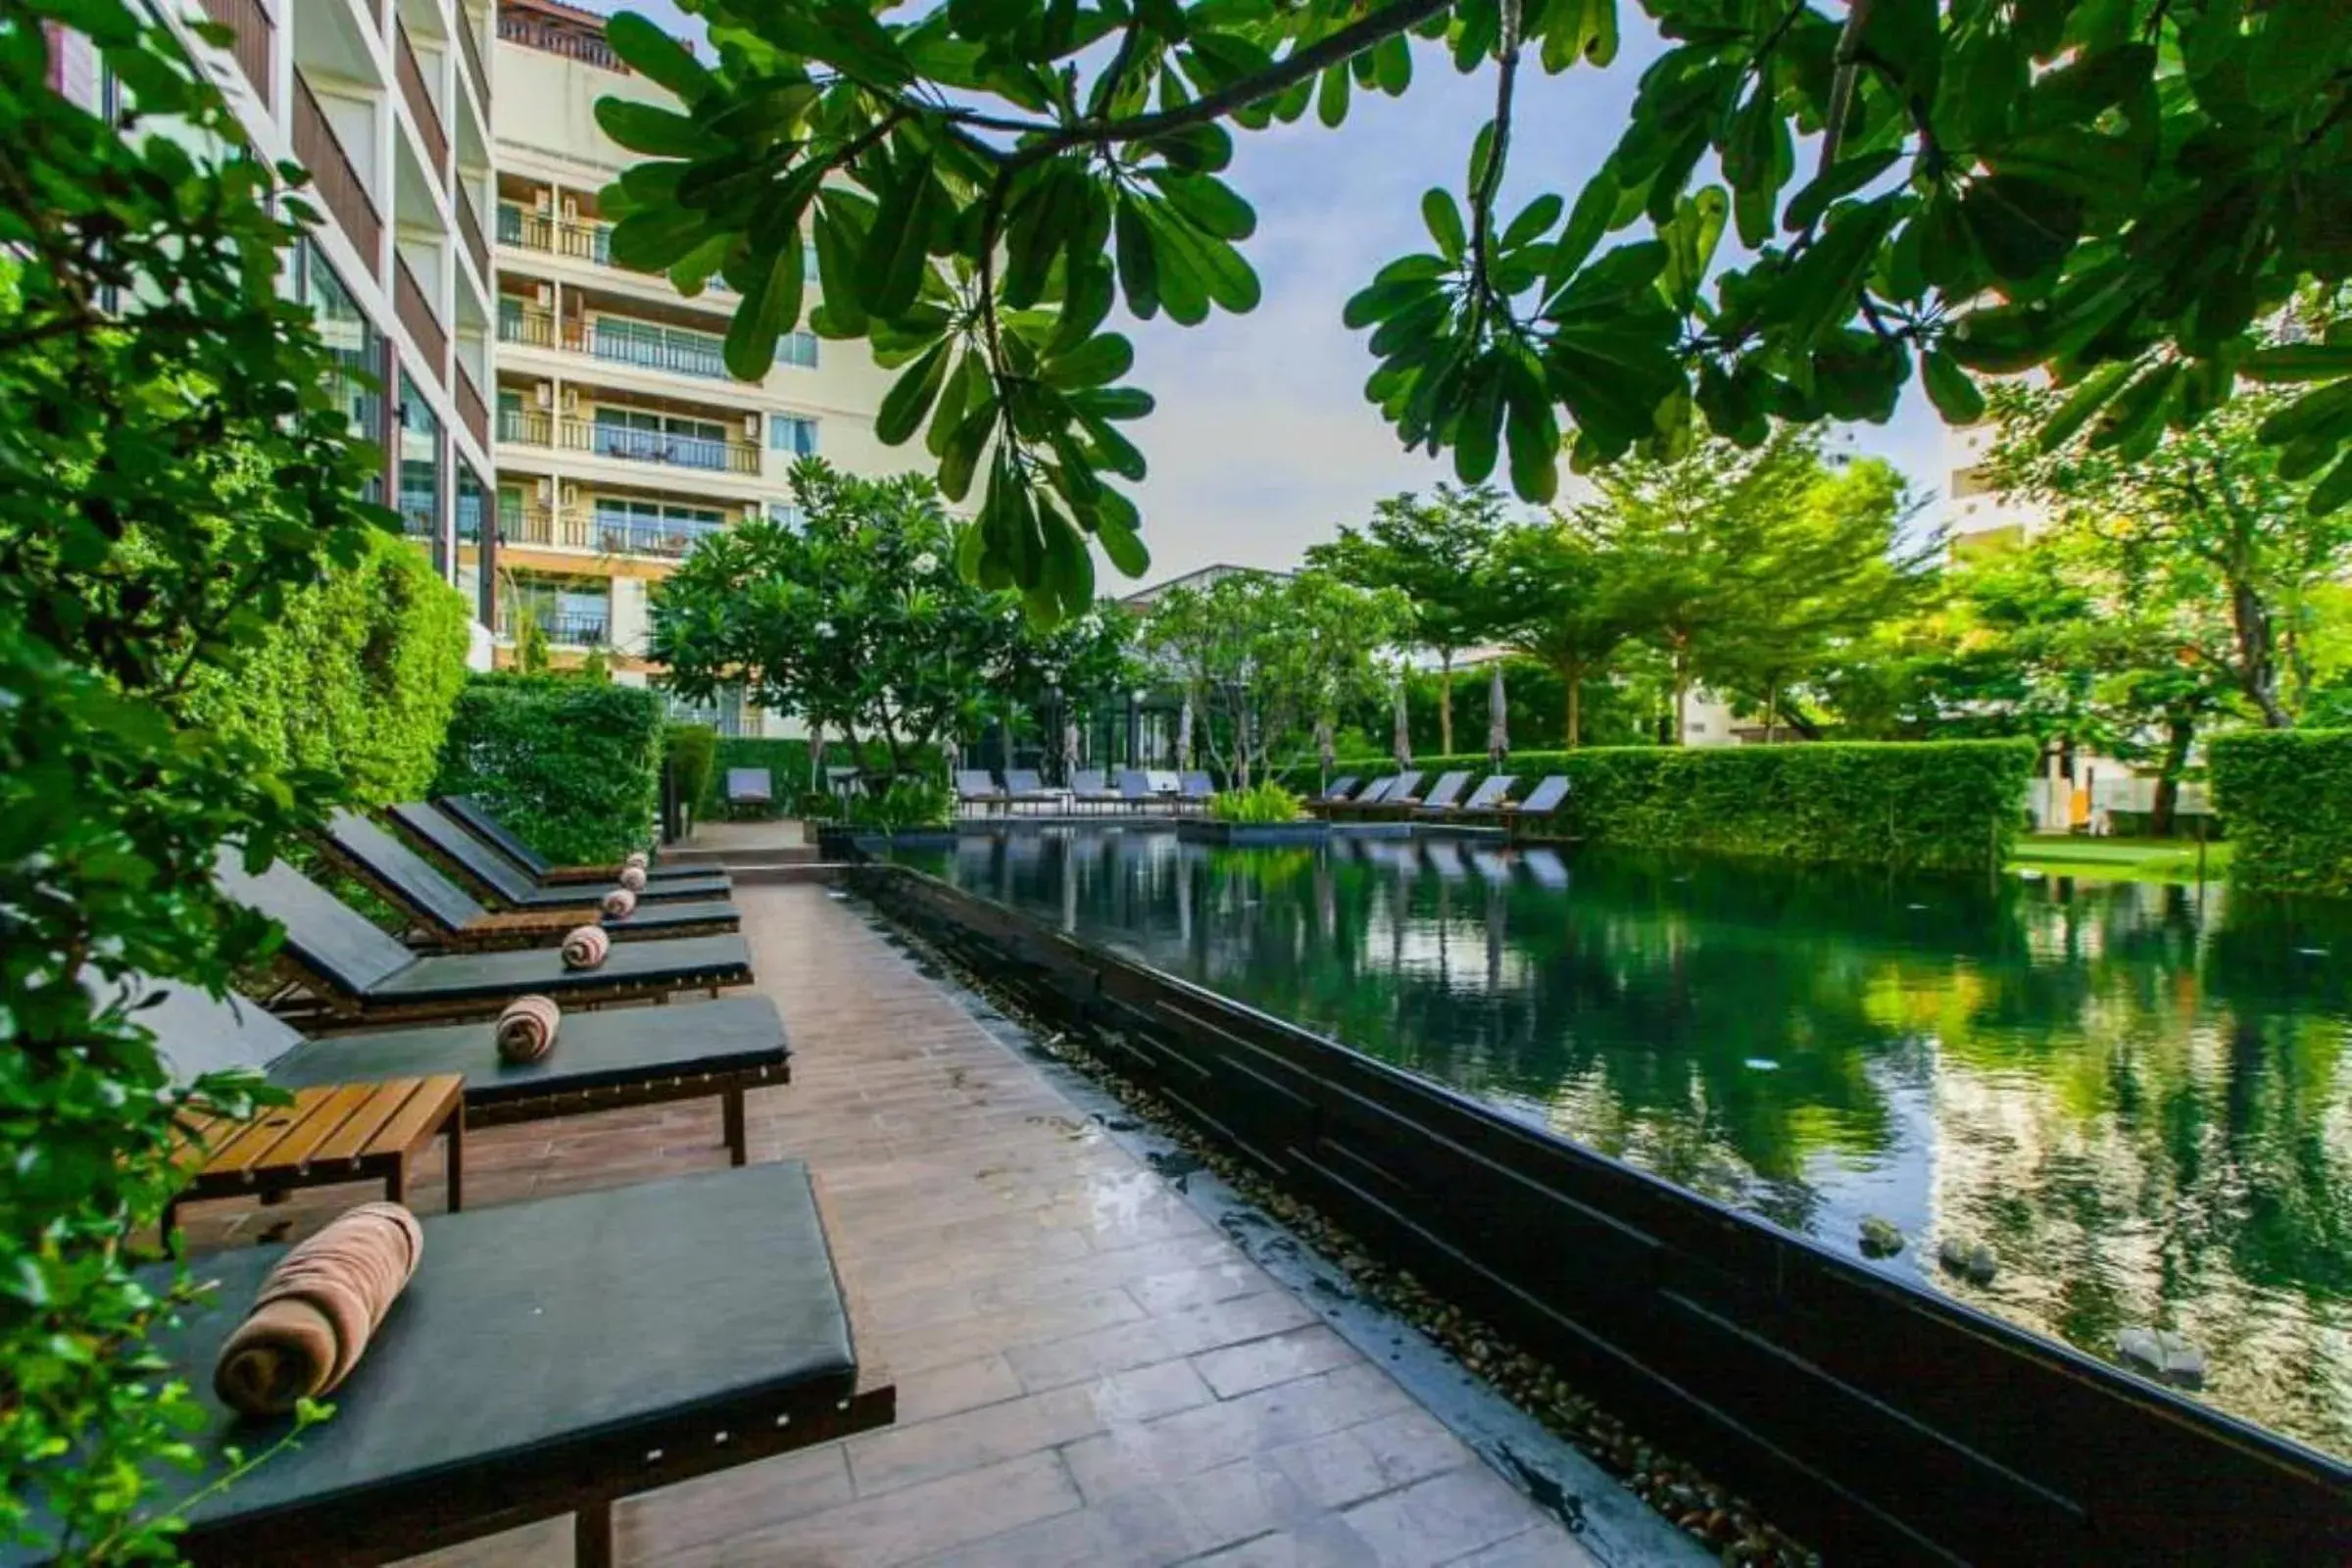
(1498, 718)
(1401, 745)
(1325, 749)
(1184, 733)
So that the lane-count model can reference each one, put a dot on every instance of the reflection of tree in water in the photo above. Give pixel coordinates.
(2139, 1099)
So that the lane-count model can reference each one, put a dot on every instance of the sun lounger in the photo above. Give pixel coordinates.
(1547, 867)
(449, 916)
(978, 787)
(354, 970)
(601, 1060)
(1440, 797)
(1339, 789)
(1136, 790)
(1398, 791)
(504, 885)
(1546, 800)
(1022, 787)
(549, 1357)
(749, 786)
(472, 814)
(1490, 793)
(1087, 788)
(1196, 790)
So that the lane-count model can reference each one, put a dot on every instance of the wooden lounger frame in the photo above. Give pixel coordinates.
(582, 1475)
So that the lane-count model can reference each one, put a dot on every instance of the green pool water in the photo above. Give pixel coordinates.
(2137, 1097)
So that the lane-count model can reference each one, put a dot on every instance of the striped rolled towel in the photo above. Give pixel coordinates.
(619, 904)
(585, 948)
(638, 860)
(632, 877)
(526, 1030)
(317, 1309)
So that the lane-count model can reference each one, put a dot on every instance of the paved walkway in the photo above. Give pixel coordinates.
(1089, 1373)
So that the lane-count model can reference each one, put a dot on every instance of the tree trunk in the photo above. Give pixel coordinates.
(2257, 654)
(1574, 681)
(2179, 729)
(1772, 707)
(1682, 698)
(1445, 701)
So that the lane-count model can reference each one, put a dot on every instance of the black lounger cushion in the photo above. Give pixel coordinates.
(476, 817)
(593, 1051)
(510, 883)
(530, 1324)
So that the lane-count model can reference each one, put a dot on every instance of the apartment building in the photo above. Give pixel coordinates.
(620, 437)
(386, 104)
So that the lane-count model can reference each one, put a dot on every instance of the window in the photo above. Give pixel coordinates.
(658, 347)
(797, 349)
(788, 515)
(359, 351)
(653, 527)
(723, 713)
(660, 437)
(477, 554)
(574, 611)
(419, 468)
(787, 432)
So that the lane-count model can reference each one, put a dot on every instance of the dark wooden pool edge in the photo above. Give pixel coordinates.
(1877, 1420)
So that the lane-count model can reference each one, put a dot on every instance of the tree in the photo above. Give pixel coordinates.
(531, 653)
(2212, 519)
(856, 619)
(1986, 188)
(174, 467)
(1270, 661)
(1433, 552)
(1554, 592)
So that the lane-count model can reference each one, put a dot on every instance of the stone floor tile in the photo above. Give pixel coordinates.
(1239, 1369)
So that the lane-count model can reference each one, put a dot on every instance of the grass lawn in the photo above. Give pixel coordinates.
(2119, 860)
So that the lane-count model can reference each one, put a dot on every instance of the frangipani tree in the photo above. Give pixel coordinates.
(2114, 190)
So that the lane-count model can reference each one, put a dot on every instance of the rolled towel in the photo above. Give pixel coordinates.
(638, 860)
(526, 1030)
(632, 877)
(585, 948)
(619, 904)
(317, 1309)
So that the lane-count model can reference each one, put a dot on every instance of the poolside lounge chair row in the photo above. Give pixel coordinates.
(1087, 790)
(1399, 796)
(555, 1356)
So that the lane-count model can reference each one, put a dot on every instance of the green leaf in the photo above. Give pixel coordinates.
(1331, 101)
(1114, 527)
(910, 397)
(2334, 491)
(1094, 362)
(770, 308)
(1535, 218)
(648, 128)
(1821, 291)
(1477, 431)
(1138, 260)
(1588, 222)
(2301, 45)
(1952, 390)
(656, 241)
(1532, 432)
(1210, 203)
(1849, 175)
(2085, 401)
(1445, 220)
(653, 53)
(963, 454)
(896, 249)
(2298, 361)
(967, 377)
(2023, 228)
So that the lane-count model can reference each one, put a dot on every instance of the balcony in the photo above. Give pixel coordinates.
(526, 428)
(589, 48)
(571, 528)
(416, 315)
(576, 629)
(532, 328)
(471, 227)
(623, 340)
(542, 525)
(582, 239)
(251, 25)
(333, 177)
(420, 103)
(632, 445)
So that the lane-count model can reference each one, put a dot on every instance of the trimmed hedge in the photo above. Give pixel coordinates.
(2288, 797)
(358, 678)
(573, 766)
(693, 751)
(1943, 805)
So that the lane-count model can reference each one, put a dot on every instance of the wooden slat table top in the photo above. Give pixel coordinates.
(330, 1124)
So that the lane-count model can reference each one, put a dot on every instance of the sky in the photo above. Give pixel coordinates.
(1263, 443)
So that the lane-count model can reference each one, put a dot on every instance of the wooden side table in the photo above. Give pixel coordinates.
(331, 1133)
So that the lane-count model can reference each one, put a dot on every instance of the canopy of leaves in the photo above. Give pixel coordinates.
(174, 468)
(1919, 187)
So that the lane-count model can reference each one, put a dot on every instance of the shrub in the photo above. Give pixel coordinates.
(573, 766)
(2288, 797)
(357, 678)
(1941, 804)
(692, 751)
(909, 803)
(1266, 803)
(787, 763)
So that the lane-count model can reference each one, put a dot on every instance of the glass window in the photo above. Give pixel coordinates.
(573, 612)
(797, 349)
(419, 468)
(787, 432)
(788, 515)
(658, 347)
(724, 713)
(359, 351)
(661, 438)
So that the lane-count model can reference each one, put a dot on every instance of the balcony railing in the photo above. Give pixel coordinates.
(533, 523)
(664, 539)
(471, 227)
(660, 446)
(527, 428)
(587, 47)
(701, 355)
(530, 329)
(537, 524)
(584, 239)
(251, 24)
(420, 103)
(416, 315)
(576, 629)
(470, 407)
(337, 184)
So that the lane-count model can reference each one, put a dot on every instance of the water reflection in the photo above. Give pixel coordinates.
(2137, 1097)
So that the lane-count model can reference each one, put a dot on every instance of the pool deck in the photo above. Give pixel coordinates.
(1089, 1372)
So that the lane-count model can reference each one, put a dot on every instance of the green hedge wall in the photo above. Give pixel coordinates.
(2288, 797)
(572, 765)
(692, 751)
(357, 680)
(1945, 804)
